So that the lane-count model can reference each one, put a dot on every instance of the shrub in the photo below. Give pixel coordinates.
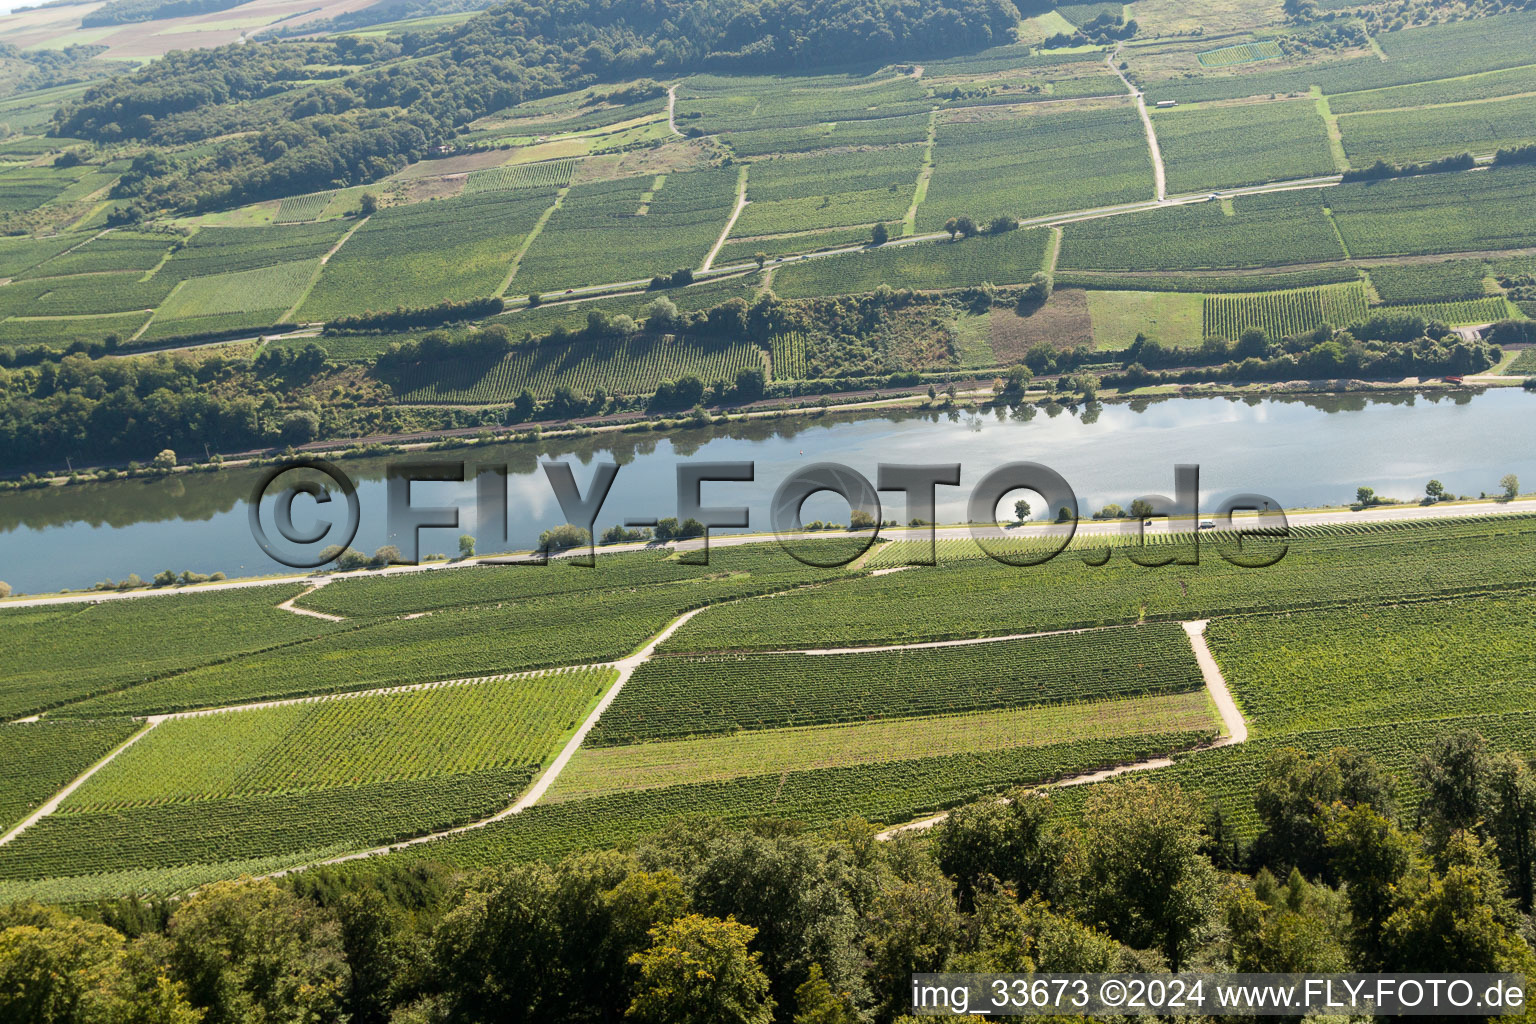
(566, 535)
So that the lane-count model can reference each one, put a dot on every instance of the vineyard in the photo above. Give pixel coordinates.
(1242, 53)
(1437, 213)
(633, 365)
(543, 175)
(1406, 136)
(426, 253)
(273, 288)
(213, 251)
(302, 208)
(1469, 311)
(114, 250)
(1431, 282)
(598, 235)
(889, 791)
(1010, 258)
(42, 758)
(334, 742)
(676, 697)
(57, 655)
(1037, 164)
(1284, 314)
(1210, 147)
(1315, 670)
(606, 622)
(828, 191)
(249, 827)
(788, 355)
(596, 771)
(1320, 569)
(1262, 230)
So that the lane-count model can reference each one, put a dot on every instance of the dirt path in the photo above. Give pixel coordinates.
(1158, 172)
(1216, 684)
(288, 605)
(1235, 726)
(672, 111)
(730, 225)
(931, 644)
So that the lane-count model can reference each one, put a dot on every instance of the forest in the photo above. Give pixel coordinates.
(707, 923)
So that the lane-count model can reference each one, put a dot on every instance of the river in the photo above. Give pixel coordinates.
(1300, 451)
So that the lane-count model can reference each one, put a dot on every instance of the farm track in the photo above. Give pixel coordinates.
(1159, 174)
(730, 225)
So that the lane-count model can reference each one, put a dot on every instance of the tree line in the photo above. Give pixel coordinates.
(708, 922)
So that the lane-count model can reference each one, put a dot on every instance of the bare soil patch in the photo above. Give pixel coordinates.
(1061, 323)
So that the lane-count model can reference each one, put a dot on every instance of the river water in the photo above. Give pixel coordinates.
(1300, 451)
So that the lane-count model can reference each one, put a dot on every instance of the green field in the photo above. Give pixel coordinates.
(1209, 147)
(1264, 230)
(1010, 258)
(226, 250)
(1171, 318)
(1036, 164)
(596, 771)
(302, 208)
(66, 653)
(1407, 136)
(889, 791)
(1284, 314)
